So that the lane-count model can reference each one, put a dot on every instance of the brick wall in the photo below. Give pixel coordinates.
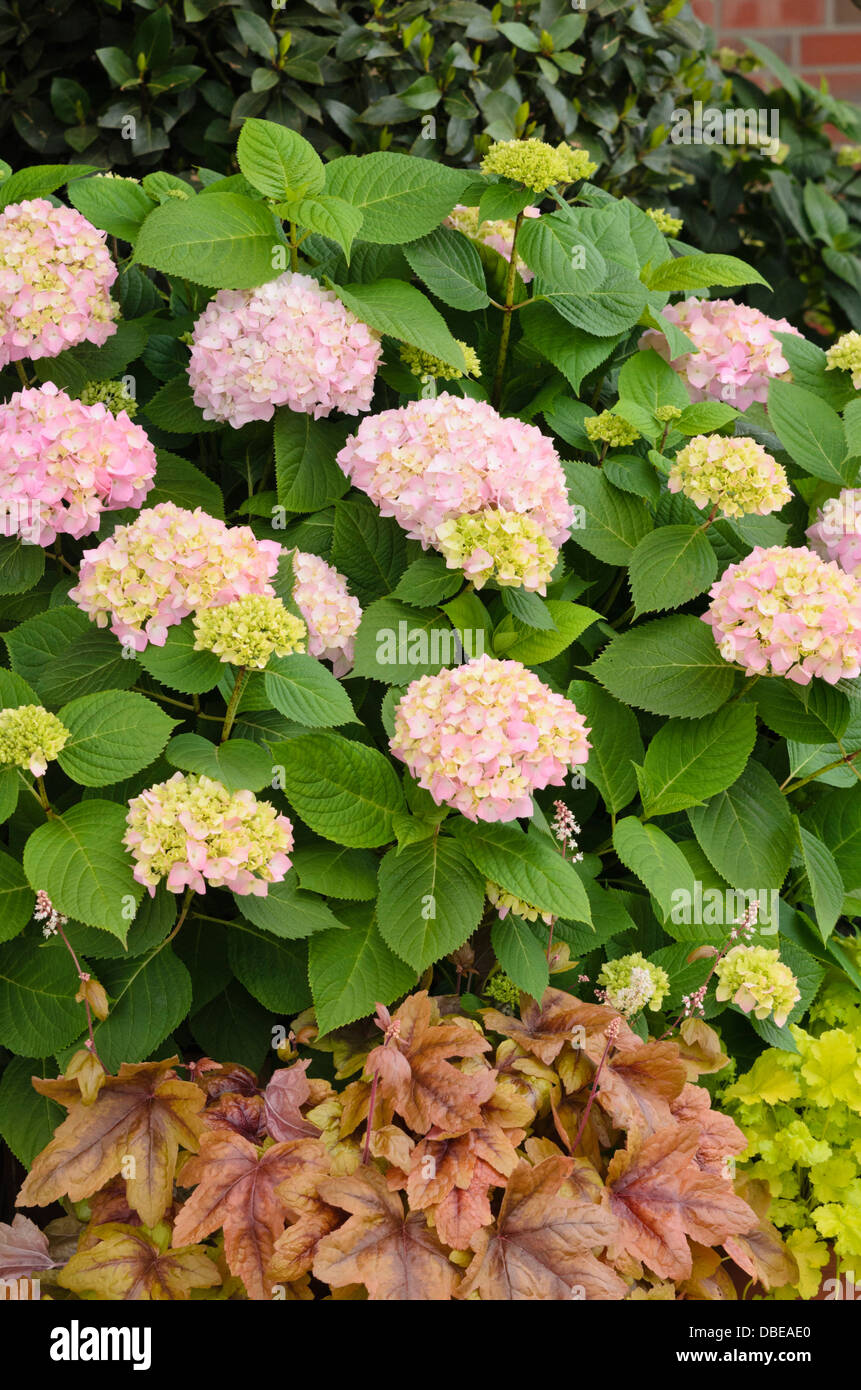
(814, 37)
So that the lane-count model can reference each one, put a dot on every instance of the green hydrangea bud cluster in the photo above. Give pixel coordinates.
(848, 156)
(737, 475)
(503, 990)
(505, 902)
(665, 222)
(537, 165)
(495, 544)
(247, 631)
(429, 368)
(846, 353)
(632, 982)
(666, 413)
(611, 429)
(30, 737)
(113, 394)
(757, 980)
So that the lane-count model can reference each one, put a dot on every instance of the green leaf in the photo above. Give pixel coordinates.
(564, 263)
(827, 218)
(351, 972)
(655, 859)
(431, 899)
(277, 161)
(38, 983)
(615, 743)
(302, 688)
(370, 549)
(810, 431)
(397, 643)
(669, 666)
(233, 1023)
(39, 181)
(35, 645)
(113, 735)
(815, 713)
(575, 352)
(526, 865)
(404, 313)
(428, 581)
(21, 565)
(27, 1120)
(172, 409)
(809, 367)
(307, 473)
(177, 480)
(747, 831)
(650, 382)
(343, 791)
(527, 608)
(401, 197)
(149, 997)
(836, 819)
(451, 268)
(352, 871)
(612, 523)
(116, 205)
(16, 898)
(178, 666)
(330, 217)
(704, 417)
(287, 912)
(823, 877)
(224, 241)
(91, 663)
(514, 641)
(275, 972)
(671, 566)
(690, 760)
(238, 764)
(78, 859)
(701, 271)
(521, 955)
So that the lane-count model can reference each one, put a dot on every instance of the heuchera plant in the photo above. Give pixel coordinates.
(453, 611)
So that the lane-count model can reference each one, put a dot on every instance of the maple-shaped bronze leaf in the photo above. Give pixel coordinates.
(287, 1091)
(709, 1281)
(761, 1252)
(543, 1242)
(136, 1125)
(24, 1249)
(719, 1136)
(637, 1085)
(296, 1247)
(237, 1189)
(416, 1078)
(126, 1264)
(393, 1253)
(544, 1029)
(661, 1197)
(232, 1076)
(245, 1115)
(454, 1176)
(700, 1048)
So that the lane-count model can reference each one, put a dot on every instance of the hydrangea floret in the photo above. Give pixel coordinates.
(664, 221)
(497, 233)
(168, 563)
(494, 544)
(429, 368)
(193, 832)
(666, 414)
(611, 429)
(331, 614)
(836, 532)
(287, 342)
(848, 156)
(632, 982)
(757, 980)
(249, 630)
(31, 737)
(506, 902)
(736, 354)
(432, 460)
(537, 165)
(64, 463)
(846, 354)
(55, 280)
(484, 736)
(503, 989)
(735, 475)
(783, 611)
(112, 394)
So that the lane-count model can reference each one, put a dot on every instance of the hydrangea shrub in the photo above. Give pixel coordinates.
(460, 610)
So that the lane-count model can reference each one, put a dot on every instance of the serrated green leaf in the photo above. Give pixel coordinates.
(351, 972)
(112, 735)
(397, 643)
(274, 970)
(405, 314)
(16, 898)
(78, 859)
(238, 764)
(615, 743)
(521, 955)
(27, 1119)
(655, 859)
(824, 881)
(287, 912)
(514, 641)
(747, 831)
(302, 688)
(451, 268)
(322, 868)
(178, 666)
(671, 566)
(690, 760)
(278, 161)
(526, 865)
(38, 983)
(224, 241)
(613, 523)
(343, 791)
(400, 197)
(307, 474)
(668, 666)
(700, 272)
(431, 899)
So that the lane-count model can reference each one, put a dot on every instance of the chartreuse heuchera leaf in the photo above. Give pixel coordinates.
(513, 845)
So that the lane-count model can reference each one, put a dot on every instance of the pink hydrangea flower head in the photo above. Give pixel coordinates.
(331, 614)
(736, 355)
(836, 532)
(63, 463)
(168, 563)
(484, 736)
(288, 342)
(194, 832)
(498, 233)
(783, 611)
(55, 280)
(434, 460)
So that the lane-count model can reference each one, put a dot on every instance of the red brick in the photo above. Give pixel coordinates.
(831, 50)
(781, 44)
(773, 14)
(704, 10)
(845, 84)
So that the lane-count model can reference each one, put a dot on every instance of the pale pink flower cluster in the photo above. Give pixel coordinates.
(192, 831)
(736, 356)
(168, 563)
(497, 233)
(836, 532)
(785, 612)
(63, 463)
(288, 342)
(483, 737)
(55, 280)
(331, 614)
(433, 460)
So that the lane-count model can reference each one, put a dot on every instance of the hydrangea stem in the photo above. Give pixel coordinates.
(230, 716)
(496, 394)
(83, 977)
